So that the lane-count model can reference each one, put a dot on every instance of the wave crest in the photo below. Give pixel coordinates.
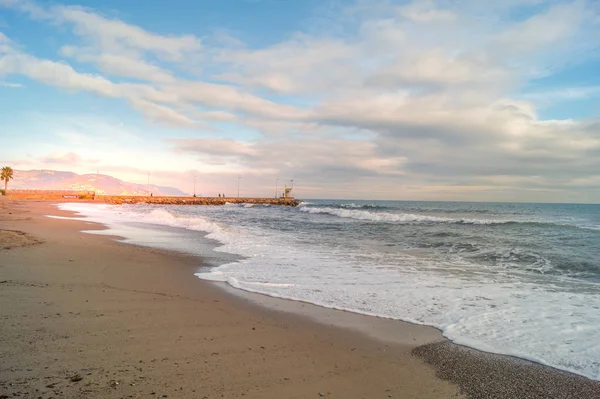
(360, 214)
(198, 223)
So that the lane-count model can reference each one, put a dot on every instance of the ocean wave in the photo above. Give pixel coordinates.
(459, 210)
(373, 216)
(360, 214)
(345, 206)
(197, 223)
(360, 206)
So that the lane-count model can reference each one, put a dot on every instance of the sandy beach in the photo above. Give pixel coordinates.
(85, 316)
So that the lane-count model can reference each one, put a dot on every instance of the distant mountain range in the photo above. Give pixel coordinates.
(101, 184)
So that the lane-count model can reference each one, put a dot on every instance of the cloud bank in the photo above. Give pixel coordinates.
(422, 99)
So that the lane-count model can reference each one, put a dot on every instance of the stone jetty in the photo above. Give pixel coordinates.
(121, 199)
(90, 196)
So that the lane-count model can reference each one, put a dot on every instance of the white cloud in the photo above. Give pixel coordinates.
(564, 94)
(221, 116)
(161, 114)
(211, 146)
(146, 98)
(306, 158)
(426, 11)
(120, 65)
(553, 27)
(62, 75)
(110, 34)
(63, 159)
(56, 73)
(438, 69)
(300, 64)
(11, 85)
(231, 98)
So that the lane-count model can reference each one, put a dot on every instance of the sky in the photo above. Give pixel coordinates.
(406, 100)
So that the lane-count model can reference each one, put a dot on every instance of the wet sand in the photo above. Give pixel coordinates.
(84, 316)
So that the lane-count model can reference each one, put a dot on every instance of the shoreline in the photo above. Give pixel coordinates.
(478, 373)
(129, 320)
(379, 338)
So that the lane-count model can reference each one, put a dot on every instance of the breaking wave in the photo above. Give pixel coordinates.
(361, 214)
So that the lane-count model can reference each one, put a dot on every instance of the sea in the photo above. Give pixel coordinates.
(510, 278)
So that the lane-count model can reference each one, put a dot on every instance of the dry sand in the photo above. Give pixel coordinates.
(84, 316)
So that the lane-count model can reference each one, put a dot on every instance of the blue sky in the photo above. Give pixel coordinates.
(424, 99)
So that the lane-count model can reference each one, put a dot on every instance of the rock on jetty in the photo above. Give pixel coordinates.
(50, 195)
(120, 199)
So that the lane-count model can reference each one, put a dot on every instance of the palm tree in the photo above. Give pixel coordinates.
(6, 174)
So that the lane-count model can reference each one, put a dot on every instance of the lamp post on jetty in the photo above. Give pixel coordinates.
(287, 191)
(239, 177)
(194, 186)
(96, 184)
(148, 187)
(276, 181)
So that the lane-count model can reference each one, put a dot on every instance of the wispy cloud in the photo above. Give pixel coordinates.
(563, 94)
(62, 159)
(11, 85)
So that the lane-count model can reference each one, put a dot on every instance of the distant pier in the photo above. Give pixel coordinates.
(90, 196)
(120, 199)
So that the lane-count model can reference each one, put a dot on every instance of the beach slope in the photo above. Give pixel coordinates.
(86, 316)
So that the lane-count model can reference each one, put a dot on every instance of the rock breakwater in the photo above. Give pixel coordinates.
(120, 199)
